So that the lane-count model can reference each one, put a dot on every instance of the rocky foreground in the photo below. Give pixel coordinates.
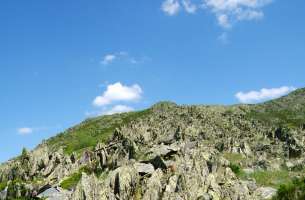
(167, 152)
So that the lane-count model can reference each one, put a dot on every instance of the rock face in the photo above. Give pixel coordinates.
(55, 194)
(88, 188)
(3, 194)
(171, 152)
(265, 192)
(143, 168)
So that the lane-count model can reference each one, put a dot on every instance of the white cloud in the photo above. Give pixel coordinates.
(171, 7)
(263, 94)
(25, 131)
(236, 10)
(109, 58)
(113, 99)
(227, 12)
(30, 130)
(233, 5)
(189, 6)
(117, 92)
(250, 15)
(118, 109)
(223, 20)
(122, 56)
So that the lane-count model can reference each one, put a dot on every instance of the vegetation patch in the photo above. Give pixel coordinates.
(138, 192)
(74, 178)
(235, 168)
(3, 186)
(102, 175)
(92, 131)
(286, 111)
(294, 190)
(234, 157)
(238, 171)
(279, 117)
(271, 178)
(71, 181)
(17, 189)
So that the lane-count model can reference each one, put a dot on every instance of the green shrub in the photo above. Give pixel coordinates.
(3, 185)
(71, 181)
(294, 190)
(17, 188)
(74, 178)
(138, 192)
(235, 168)
(238, 171)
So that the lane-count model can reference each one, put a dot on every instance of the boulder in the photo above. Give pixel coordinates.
(55, 194)
(120, 183)
(153, 186)
(143, 168)
(3, 194)
(265, 192)
(88, 188)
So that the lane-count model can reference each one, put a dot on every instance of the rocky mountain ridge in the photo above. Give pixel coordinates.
(168, 152)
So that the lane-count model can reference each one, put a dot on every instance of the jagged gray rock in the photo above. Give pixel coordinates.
(3, 194)
(265, 192)
(143, 168)
(55, 194)
(88, 188)
(170, 153)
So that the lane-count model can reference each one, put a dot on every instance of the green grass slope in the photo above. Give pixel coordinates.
(92, 131)
(285, 111)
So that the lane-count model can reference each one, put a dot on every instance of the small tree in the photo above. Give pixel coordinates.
(24, 154)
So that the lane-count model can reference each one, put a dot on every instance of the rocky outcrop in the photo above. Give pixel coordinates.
(265, 192)
(55, 194)
(88, 188)
(174, 152)
(3, 194)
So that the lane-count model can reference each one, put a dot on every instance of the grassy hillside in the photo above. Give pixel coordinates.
(265, 138)
(92, 131)
(285, 111)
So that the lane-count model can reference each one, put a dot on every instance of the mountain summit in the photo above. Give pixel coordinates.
(169, 151)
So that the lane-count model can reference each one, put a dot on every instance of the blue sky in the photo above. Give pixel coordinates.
(63, 61)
